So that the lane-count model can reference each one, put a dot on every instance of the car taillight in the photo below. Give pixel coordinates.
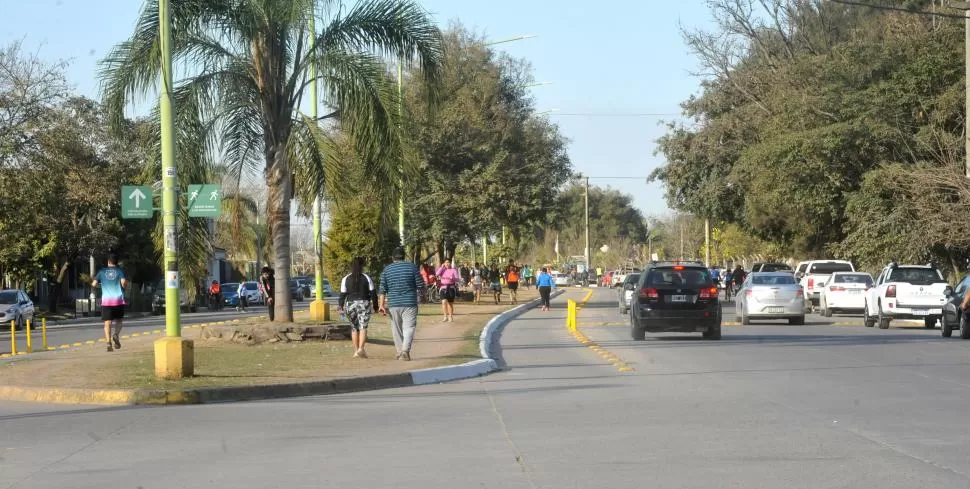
(891, 291)
(749, 292)
(837, 289)
(648, 293)
(811, 283)
(799, 292)
(709, 293)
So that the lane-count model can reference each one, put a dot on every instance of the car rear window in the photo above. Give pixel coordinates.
(857, 278)
(633, 278)
(775, 267)
(773, 280)
(829, 268)
(251, 286)
(686, 276)
(918, 276)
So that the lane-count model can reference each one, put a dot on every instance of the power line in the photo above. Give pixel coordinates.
(613, 114)
(897, 9)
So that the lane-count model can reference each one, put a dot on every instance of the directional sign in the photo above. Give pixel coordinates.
(205, 200)
(136, 202)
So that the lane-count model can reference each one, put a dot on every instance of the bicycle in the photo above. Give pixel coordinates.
(432, 294)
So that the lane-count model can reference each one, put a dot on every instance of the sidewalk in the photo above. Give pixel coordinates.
(60, 376)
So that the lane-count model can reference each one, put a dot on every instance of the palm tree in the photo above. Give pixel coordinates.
(251, 62)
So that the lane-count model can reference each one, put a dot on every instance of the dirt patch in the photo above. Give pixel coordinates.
(221, 363)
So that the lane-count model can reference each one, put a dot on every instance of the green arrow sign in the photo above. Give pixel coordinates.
(136, 202)
(205, 200)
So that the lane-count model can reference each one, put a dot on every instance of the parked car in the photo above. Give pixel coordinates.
(905, 292)
(305, 284)
(253, 297)
(815, 273)
(845, 292)
(296, 290)
(560, 279)
(230, 296)
(771, 295)
(953, 318)
(770, 267)
(675, 298)
(158, 300)
(327, 289)
(625, 294)
(16, 307)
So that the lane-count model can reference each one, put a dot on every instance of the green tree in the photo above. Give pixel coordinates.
(252, 60)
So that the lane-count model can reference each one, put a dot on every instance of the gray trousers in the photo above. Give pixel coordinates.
(404, 320)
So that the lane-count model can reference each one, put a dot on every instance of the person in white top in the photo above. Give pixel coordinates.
(358, 299)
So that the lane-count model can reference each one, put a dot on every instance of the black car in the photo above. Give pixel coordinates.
(771, 267)
(296, 290)
(953, 318)
(676, 298)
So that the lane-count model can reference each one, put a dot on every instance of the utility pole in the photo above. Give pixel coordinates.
(586, 202)
(965, 6)
(707, 243)
(174, 355)
(400, 107)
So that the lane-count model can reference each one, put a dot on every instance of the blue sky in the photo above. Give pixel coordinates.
(610, 57)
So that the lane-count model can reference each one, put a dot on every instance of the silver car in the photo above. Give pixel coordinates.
(15, 307)
(771, 295)
(625, 294)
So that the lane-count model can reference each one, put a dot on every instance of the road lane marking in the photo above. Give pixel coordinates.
(618, 363)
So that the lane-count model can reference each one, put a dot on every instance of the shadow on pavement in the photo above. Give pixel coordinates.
(472, 389)
(70, 412)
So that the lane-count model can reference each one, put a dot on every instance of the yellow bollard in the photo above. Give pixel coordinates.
(43, 332)
(30, 348)
(571, 314)
(13, 337)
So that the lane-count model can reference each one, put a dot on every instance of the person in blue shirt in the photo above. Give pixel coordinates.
(112, 281)
(545, 284)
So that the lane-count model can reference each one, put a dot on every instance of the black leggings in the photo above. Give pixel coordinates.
(544, 293)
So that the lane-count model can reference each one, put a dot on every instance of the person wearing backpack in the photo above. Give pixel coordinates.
(512, 280)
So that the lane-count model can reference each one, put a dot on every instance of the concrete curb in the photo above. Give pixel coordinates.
(475, 368)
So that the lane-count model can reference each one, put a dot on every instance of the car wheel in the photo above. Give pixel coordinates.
(866, 318)
(883, 320)
(745, 320)
(964, 327)
(636, 332)
(826, 311)
(929, 323)
(945, 327)
(714, 333)
(797, 321)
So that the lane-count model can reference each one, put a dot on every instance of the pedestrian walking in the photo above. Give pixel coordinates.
(545, 285)
(448, 280)
(477, 281)
(495, 277)
(400, 284)
(512, 280)
(527, 275)
(357, 300)
(243, 297)
(215, 296)
(112, 281)
(267, 288)
(466, 275)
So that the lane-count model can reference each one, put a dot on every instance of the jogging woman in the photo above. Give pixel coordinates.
(448, 280)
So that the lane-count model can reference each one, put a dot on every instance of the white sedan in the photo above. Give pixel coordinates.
(844, 292)
(560, 279)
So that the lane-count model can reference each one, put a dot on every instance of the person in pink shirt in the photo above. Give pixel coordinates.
(448, 280)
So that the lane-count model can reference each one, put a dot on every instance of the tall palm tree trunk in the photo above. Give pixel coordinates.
(278, 213)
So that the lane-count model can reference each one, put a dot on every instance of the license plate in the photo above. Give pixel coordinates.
(921, 312)
(776, 310)
(678, 298)
(855, 292)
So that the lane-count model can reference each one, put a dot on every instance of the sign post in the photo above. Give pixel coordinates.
(136, 202)
(205, 200)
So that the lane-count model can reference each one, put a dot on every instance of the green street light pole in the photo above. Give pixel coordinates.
(173, 324)
(317, 204)
(174, 355)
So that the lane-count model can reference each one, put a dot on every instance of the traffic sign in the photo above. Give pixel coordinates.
(205, 200)
(136, 202)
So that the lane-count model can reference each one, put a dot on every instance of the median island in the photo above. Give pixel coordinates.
(225, 355)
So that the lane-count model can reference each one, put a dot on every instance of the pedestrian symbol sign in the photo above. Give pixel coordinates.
(136, 202)
(205, 200)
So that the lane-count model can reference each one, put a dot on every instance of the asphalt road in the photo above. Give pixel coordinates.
(769, 406)
(71, 333)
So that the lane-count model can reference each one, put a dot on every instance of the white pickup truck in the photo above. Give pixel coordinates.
(905, 292)
(814, 275)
